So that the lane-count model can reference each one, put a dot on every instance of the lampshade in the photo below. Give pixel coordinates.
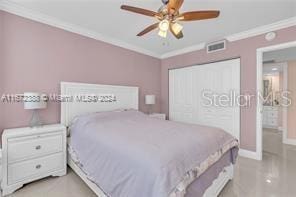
(150, 99)
(35, 100)
(162, 33)
(177, 28)
(164, 25)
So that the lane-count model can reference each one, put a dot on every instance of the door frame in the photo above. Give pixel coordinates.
(259, 108)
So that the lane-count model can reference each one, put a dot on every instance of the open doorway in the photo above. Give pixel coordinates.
(274, 113)
(276, 74)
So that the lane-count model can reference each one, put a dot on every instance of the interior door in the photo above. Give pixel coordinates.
(187, 88)
(181, 83)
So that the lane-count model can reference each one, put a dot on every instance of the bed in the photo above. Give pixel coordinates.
(127, 153)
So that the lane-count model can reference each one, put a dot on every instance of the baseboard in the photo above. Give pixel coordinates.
(280, 129)
(248, 154)
(290, 141)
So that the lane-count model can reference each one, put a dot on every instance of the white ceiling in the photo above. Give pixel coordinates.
(270, 68)
(281, 55)
(105, 18)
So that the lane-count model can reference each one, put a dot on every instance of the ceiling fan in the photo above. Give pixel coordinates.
(168, 17)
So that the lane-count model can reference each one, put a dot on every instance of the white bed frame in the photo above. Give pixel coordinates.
(126, 97)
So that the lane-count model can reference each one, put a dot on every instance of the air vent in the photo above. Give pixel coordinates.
(216, 46)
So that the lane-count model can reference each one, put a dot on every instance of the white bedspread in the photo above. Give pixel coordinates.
(129, 154)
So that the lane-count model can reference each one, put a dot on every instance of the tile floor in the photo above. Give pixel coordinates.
(275, 176)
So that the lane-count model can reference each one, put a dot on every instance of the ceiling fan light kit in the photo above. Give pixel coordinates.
(164, 25)
(168, 16)
(162, 33)
(177, 28)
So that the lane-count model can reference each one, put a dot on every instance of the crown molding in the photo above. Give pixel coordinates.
(183, 51)
(13, 8)
(263, 29)
(52, 21)
(239, 36)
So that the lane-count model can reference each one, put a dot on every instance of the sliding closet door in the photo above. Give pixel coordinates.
(181, 95)
(192, 88)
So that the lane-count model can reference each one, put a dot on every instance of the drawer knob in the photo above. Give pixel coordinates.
(38, 147)
(38, 166)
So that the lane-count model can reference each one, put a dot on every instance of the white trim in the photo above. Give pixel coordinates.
(290, 141)
(260, 52)
(248, 154)
(238, 36)
(286, 140)
(284, 109)
(52, 21)
(259, 113)
(36, 16)
(263, 29)
(184, 50)
(277, 47)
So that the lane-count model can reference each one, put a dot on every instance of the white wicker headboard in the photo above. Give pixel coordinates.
(122, 97)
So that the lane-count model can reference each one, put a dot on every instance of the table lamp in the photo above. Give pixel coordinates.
(35, 101)
(150, 100)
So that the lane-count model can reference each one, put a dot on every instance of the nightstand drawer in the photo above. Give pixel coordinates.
(34, 168)
(34, 146)
(272, 114)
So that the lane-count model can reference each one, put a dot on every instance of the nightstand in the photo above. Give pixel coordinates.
(29, 154)
(157, 115)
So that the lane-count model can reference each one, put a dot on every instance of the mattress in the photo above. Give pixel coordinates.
(128, 153)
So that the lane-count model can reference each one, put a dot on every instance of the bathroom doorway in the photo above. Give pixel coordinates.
(274, 115)
(276, 74)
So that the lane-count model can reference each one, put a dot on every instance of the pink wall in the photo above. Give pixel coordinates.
(1, 65)
(246, 50)
(38, 57)
(281, 84)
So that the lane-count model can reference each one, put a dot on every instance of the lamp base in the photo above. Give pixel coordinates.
(35, 119)
(150, 111)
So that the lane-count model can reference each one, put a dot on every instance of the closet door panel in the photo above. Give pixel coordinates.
(187, 86)
(181, 95)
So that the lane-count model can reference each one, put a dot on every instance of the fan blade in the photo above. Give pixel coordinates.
(139, 10)
(179, 35)
(148, 29)
(174, 5)
(198, 15)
